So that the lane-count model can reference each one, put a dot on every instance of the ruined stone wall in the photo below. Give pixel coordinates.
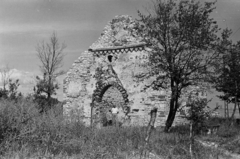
(78, 87)
(94, 72)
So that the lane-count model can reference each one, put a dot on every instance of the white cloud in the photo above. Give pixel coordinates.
(24, 76)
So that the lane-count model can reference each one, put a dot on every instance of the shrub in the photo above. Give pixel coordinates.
(11, 93)
(26, 133)
(226, 130)
(15, 118)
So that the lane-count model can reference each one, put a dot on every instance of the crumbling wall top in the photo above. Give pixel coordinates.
(119, 32)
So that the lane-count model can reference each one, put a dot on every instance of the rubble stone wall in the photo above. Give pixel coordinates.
(94, 72)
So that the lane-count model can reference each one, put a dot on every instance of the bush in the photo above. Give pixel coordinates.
(226, 130)
(21, 123)
(23, 127)
(15, 119)
(26, 133)
(11, 93)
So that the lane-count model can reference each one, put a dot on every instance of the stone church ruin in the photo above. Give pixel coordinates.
(108, 74)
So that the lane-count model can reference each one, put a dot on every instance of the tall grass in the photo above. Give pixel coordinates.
(25, 133)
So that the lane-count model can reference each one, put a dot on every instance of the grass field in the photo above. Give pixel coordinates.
(24, 133)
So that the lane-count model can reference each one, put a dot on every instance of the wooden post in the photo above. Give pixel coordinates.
(191, 139)
(226, 111)
(153, 115)
(91, 105)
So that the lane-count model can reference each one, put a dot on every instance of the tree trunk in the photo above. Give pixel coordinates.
(49, 93)
(172, 110)
(235, 102)
(92, 113)
(238, 108)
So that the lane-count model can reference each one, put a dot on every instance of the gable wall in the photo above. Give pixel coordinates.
(80, 83)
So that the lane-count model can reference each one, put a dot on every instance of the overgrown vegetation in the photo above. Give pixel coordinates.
(11, 92)
(26, 133)
(228, 72)
(185, 47)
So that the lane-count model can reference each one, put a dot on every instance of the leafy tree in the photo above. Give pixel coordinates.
(228, 70)
(198, 111)
(40, 94)
(197, 114)
(11, 93)
(51, 58)
(13, 90)
(183, 40)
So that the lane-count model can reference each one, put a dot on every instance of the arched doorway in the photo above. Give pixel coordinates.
(104, 98)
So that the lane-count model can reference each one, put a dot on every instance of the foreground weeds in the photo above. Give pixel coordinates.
(27, 134)
(227, 136)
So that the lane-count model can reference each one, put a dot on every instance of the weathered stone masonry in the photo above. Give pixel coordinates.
(116, 60)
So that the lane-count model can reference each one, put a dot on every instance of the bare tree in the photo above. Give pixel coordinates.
(51, 56)
(5, 76)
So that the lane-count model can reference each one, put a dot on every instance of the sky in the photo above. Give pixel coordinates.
(78, 23)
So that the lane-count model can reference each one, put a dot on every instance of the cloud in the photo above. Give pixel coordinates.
(23, 76)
